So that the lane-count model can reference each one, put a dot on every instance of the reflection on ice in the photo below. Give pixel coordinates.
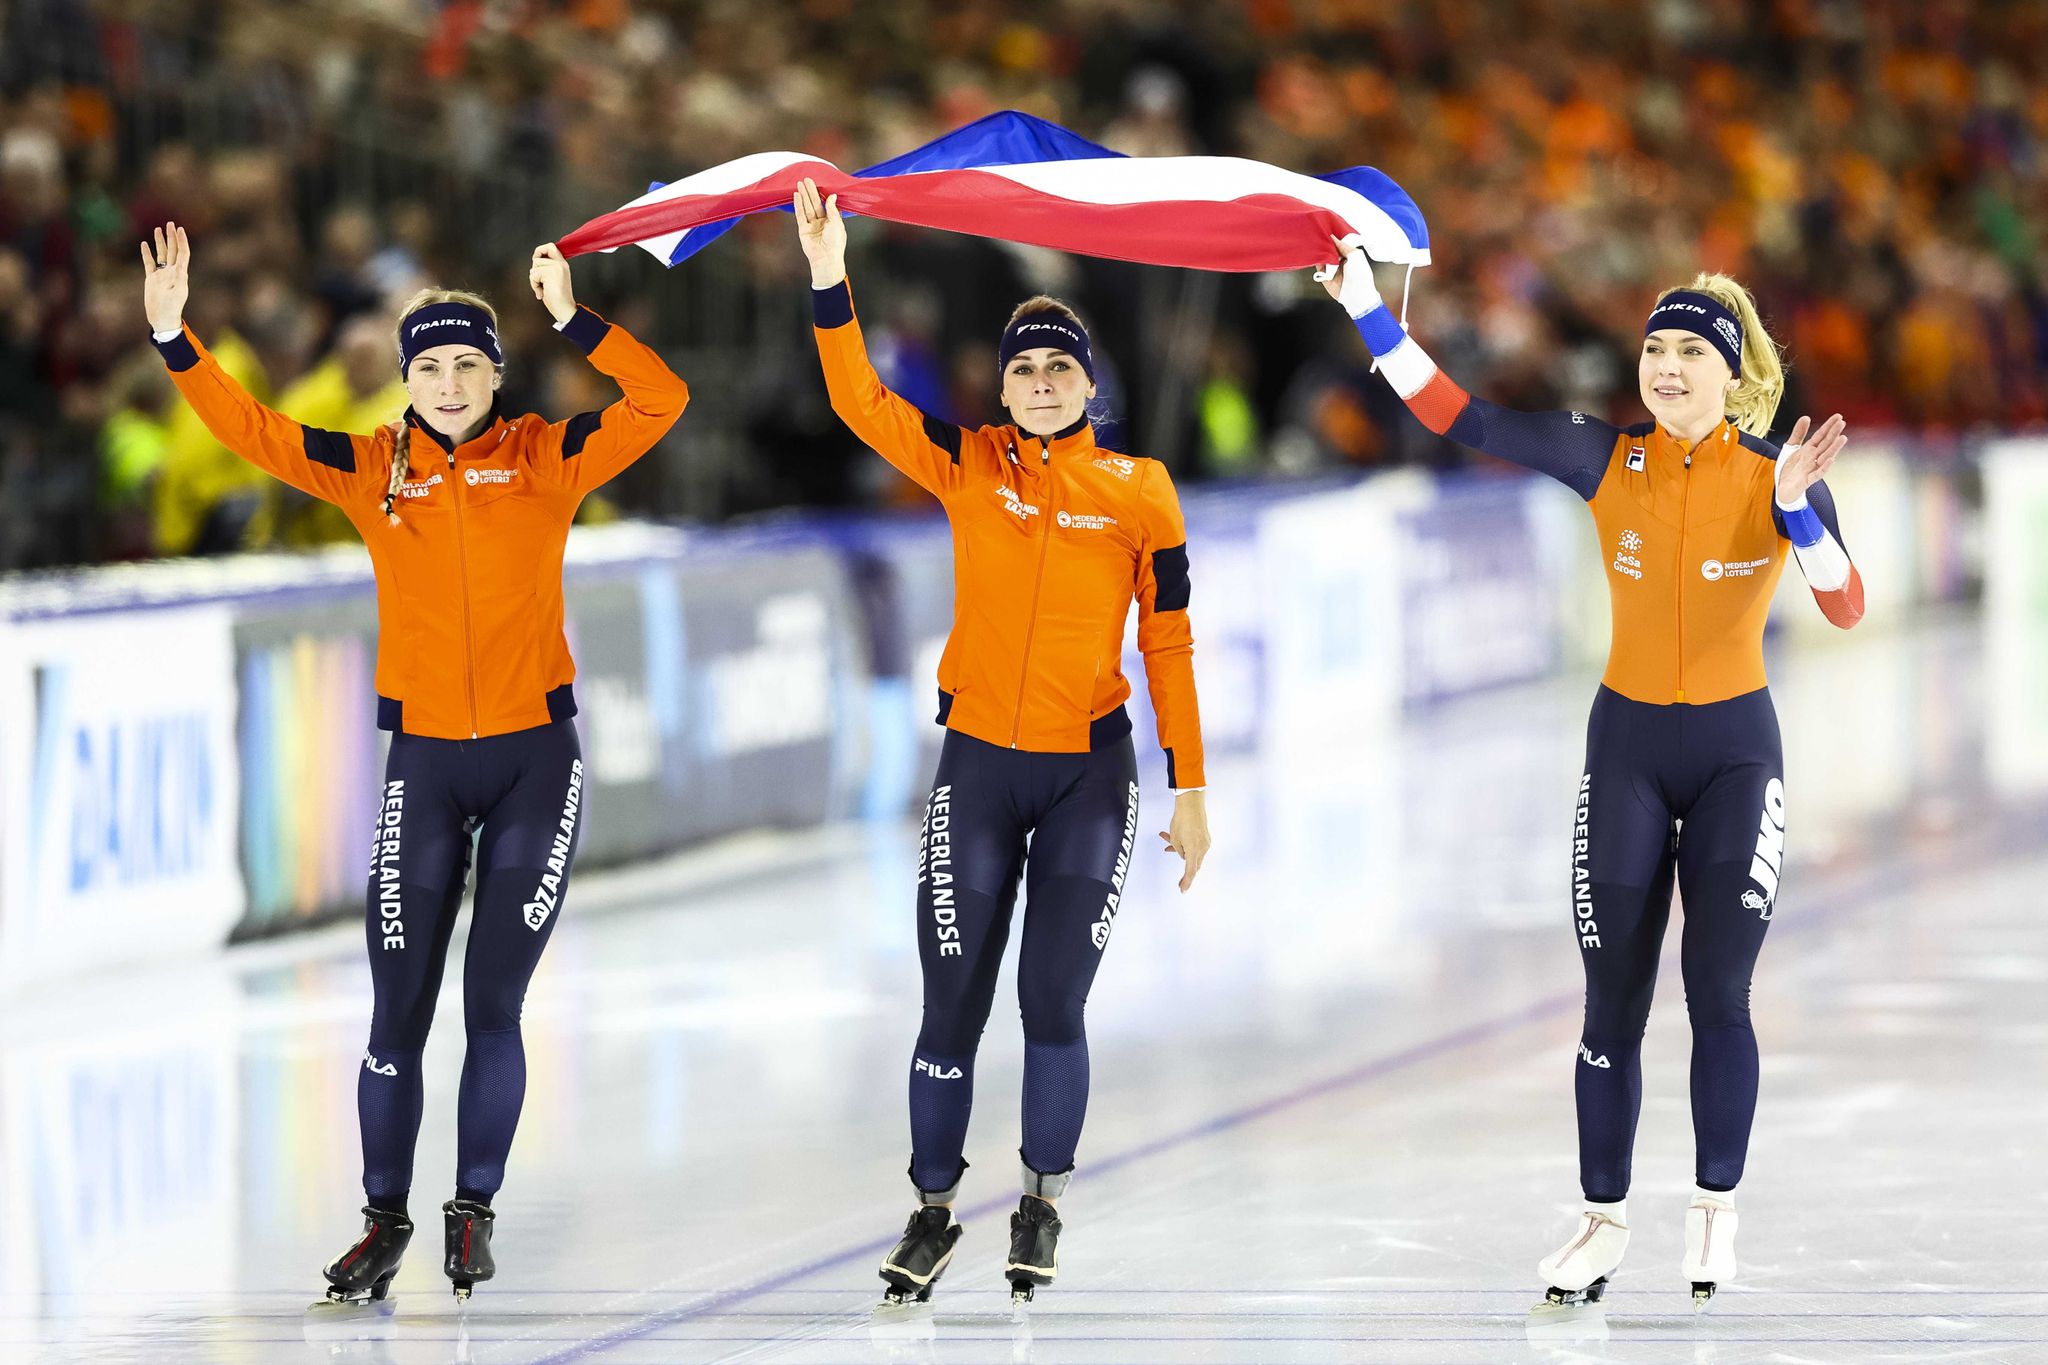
(1331, 1115)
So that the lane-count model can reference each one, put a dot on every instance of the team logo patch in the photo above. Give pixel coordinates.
(1015, 505)
(1082, 521)
(1627, 559)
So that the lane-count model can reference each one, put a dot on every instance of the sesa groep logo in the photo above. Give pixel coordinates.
(1628, 556)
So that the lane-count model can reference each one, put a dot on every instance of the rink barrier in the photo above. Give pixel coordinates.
(189, 748)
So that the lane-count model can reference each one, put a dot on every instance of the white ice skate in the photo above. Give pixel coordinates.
(1709, 1245)
(1577, 1271)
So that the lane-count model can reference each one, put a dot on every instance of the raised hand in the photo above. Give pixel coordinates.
(822, 232)
(166, 278)
(549, 278)
(1806, 460)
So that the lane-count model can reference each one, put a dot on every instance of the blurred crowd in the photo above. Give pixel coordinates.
(1876, 170)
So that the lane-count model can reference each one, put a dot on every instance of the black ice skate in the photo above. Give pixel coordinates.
(362, 1274)
(1034, 1247)
(468, 1227)
(920, 1258)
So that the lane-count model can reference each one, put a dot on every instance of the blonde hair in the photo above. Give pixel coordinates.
(401, 434)
(1753, 402)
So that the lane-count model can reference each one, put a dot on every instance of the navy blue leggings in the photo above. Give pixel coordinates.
(1080, 812)
(521, 795)
(1695, 792)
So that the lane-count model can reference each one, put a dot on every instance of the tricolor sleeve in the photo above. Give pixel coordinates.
(594, 446)
(926, 449)
(1164, 636)
(1570, 447)
(331, 465)
(1816, 536)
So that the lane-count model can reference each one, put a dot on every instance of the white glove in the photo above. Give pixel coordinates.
(1356, 291)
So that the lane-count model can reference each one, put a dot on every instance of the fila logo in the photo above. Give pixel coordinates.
(1635, 457)
(1769, 859)
(1586, 1056)
(950, 1073)
(380, 1068)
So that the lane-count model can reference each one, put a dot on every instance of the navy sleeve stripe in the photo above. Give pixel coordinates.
(1172, 777)
(577, 430)
(944, 435)
(832, 307)
(586, 329)
(330, 448)
(1571, 447)
(179, 353)
(1756, 444)
(1170, 572)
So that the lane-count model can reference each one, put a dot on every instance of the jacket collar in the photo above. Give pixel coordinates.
(1076, 440)
(1716, 437)
(475, 446)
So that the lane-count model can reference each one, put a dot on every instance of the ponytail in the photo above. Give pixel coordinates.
(1753, 402)
(401, 459)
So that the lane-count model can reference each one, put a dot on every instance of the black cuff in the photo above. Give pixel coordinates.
(832, 307)
(586, 329)
(179, 353)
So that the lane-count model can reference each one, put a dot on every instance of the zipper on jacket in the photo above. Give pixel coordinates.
(1684, 501)
(1045, 516)
(468, 634)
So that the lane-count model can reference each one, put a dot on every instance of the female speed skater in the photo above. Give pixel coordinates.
(466, 511)
(1053, 538)
(1695, 513)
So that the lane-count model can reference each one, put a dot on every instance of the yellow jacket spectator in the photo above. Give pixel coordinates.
(201, 477)
(352, 389)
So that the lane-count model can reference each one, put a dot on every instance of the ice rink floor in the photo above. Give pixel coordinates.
(1331, 1115)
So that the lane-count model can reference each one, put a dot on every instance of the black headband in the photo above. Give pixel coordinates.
(1034, 330)
(446, 324)
(1691, 311)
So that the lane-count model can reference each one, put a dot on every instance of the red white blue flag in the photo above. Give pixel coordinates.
(1020, 179)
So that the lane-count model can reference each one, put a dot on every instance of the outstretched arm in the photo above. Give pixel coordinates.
(331, 465)
(594, 446)
(925, 448)
(1568, 446)
(1805, 514)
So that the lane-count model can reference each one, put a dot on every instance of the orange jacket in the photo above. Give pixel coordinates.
(1052, 539)
(469, 583)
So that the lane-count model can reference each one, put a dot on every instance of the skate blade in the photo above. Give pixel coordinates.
(901, 1324)
(330, 1322)
(1703, 1292)
(1566, 1322)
